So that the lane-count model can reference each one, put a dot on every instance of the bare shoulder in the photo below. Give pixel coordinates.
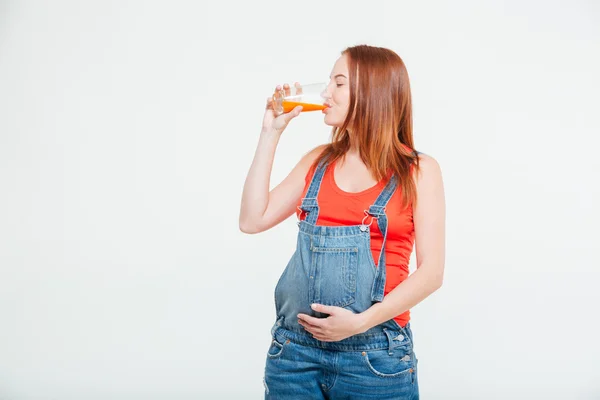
(298, 174)
(309, 158)
(429, 170)
(314, 153)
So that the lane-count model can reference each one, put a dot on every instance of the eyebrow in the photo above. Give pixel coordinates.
(338, 75)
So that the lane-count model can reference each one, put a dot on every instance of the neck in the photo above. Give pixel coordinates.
(353, 146)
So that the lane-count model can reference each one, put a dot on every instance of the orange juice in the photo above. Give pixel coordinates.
(289, 106)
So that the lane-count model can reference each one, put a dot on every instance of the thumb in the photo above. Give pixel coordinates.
(323, 308)
(293, 114)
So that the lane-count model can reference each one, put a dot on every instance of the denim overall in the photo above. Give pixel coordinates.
(333, 265)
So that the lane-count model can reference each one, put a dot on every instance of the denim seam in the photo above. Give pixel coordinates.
(340, 236)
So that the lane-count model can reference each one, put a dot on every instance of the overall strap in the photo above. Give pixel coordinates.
(377, 210)
(309, 203)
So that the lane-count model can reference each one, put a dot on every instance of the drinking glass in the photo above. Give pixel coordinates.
(310, 97)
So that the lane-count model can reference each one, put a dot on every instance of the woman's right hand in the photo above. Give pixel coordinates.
(277, 123)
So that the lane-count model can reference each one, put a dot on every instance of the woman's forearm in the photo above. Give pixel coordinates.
(414, 289)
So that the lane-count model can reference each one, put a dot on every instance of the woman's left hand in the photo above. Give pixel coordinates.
(340, 324)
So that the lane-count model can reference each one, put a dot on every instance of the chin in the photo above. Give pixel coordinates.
(332, 121)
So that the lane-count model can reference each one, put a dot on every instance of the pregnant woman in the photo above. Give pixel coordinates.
(363, 201)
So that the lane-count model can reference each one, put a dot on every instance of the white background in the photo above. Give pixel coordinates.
(127, 130)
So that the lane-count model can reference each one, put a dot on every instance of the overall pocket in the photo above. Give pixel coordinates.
(333, 275)
(400, 364)
(275, 349)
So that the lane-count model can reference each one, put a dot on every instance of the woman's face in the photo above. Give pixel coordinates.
(337, 94)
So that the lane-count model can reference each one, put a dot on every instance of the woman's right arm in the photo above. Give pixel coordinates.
(260, 209)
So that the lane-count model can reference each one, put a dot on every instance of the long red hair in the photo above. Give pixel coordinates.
(379, 117)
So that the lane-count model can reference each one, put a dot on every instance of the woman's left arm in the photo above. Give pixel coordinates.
(429, 215)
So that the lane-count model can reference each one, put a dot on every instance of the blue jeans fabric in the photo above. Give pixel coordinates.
(378, 366)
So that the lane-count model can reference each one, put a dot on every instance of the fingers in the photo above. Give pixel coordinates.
(293, 114)
(287, 91)
(312, 321)
(315, 330)
(278, 95)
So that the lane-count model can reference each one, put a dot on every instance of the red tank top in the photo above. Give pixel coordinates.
(337, 207)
